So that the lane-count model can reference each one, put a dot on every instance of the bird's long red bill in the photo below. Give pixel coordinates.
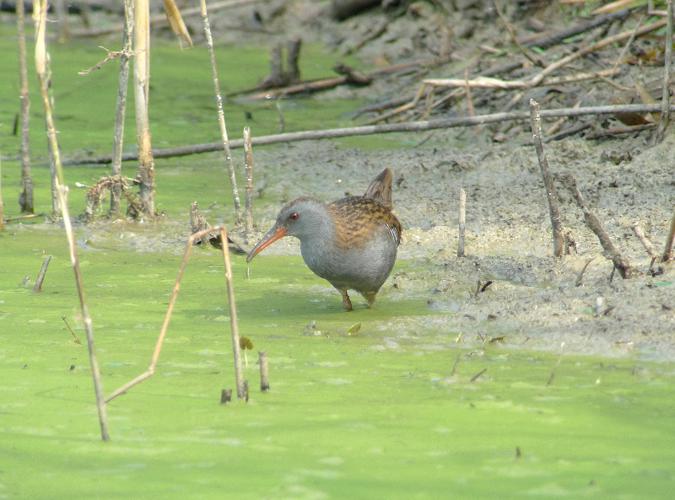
(270, 237)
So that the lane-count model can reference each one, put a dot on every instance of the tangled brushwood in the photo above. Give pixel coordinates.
(112, 183)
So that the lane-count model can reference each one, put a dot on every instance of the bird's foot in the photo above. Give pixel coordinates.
(370, 298)
(346, 302)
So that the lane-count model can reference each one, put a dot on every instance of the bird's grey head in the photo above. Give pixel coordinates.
(304, 218)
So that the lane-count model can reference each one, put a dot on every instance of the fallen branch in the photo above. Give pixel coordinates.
(418, 126)
(620, 262)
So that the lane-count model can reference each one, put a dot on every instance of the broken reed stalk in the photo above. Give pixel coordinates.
(41, 275)
(264, 371)
(169, 312)
(62, 20)
(43, 72)
(620, 262)
(462, 222)
(121, 106)
(225, 145)
(551, 193)
(416, 126)
(242, 390)
(551, 376)
(248, 165)
(668, 248)
(26, 196)
(644, 240)
(146, 164)
(664, 119)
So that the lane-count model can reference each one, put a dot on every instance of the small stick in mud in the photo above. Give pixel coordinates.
(580, 277)
(248, 165)
(478, 375)
(76, 339)
(620, 262)
(264, 371)
(668, 249)
(644, 240)
(665, 99)
(551, 377)
(41, 275)
(462, 222)
(551, 193)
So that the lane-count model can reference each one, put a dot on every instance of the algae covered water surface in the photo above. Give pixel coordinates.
(381, 412)
(395, 408)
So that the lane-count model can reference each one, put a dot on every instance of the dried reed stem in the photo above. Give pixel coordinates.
(26, 196)
(62, 20)
(248, 163)
(551, 193)
(462, 222)
(120, 109)
(620, 262)
(668, 248)
(665, 99)
(242, 391)
(43, 72)
(644, 240)
(221, 114)
(146, 166)
(264, 372)
(41, 275)
(169, 312)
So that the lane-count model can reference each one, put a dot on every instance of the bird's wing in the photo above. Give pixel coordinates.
(380, 188)
(357, 218)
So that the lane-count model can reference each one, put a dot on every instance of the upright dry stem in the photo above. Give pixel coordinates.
(248, 163)
(221, 114)
(551, 193)
(665, 99)
(234, 325)
(2, 203)
(462, 222)
(146, 166)
(42, 67)
(668, 249)
(122, 85)
(26, 197)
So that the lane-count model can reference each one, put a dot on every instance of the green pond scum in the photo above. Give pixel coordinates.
(368, 411)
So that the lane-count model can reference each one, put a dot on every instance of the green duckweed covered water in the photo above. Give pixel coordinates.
(385, 412)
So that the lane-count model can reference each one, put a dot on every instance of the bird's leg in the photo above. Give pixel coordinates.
(346, 303)
(370, 297)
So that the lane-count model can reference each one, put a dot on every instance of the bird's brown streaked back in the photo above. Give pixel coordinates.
(356, 218)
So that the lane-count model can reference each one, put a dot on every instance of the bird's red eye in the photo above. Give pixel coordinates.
(294, 216)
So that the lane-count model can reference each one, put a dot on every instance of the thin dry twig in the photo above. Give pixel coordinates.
(580, 278)
(110, 55)
(416, 126)
(169, 312)
(620, 262)
(551, 193)
(668, 248)
(644, 240)
(248, 165)
(225, 144)
(462, 222)
(42, 274)
(43, 72)
(76, 339)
